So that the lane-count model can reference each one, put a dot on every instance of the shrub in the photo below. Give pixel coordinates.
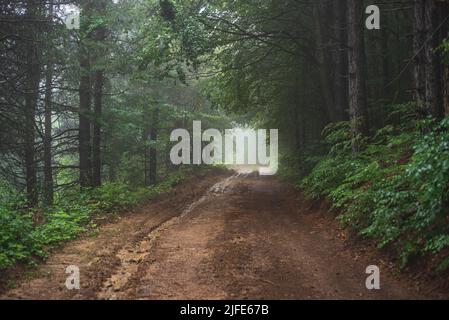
(415, 206)
(22, 240)
(396, 190)
(63, 225)
(16, 237)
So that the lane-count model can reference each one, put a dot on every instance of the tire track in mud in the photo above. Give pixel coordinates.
(131, 256)
(257, 240)
(221, 236)
(98, 256)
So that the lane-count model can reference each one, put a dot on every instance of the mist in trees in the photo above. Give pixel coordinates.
(94, 106)
(66, 93)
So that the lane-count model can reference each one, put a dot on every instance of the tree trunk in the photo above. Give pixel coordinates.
(341, 60)
(418, 50)
(96, 147)
(99, 36)
(443, 70)
(84, 122)
(48, 170)
(31, 98)
(85, 148)
(433, 102)
(325, 79)
(357, 71)
(386, 69)
(428, 76)
(446, 89)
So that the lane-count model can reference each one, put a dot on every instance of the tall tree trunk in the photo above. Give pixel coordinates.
(31, 100)
(325, 78)
(445, 89)
(419, 40)
(99, 37)
(433, 102)
(357, 71)
(444, 71)
(96, 146)
(85, 162)
(341, 60)
(85, 97)
(386, 69)
(48, 170)
(428, 76)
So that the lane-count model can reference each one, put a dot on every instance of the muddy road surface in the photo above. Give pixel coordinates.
(220, 236)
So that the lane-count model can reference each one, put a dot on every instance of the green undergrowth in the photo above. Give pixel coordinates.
(396, 189)
(23, 239)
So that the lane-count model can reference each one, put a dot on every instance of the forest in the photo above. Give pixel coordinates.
(90, 92)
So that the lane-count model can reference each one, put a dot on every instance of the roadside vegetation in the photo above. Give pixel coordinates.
(396, 189)
(23, 239)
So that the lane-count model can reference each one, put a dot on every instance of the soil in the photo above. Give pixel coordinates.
(221, 236)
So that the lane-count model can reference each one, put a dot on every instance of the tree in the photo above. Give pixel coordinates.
(428, 26)
(99, 80)
(432, 101)
(357, 71)
(85, 97)
(341, 60)
(32, 74)
(47, 141)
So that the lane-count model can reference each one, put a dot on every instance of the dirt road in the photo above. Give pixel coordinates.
(220, 236)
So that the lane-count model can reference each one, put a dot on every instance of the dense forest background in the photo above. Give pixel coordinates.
(86, 113)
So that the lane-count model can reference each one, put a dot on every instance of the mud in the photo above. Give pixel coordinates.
(223, 236)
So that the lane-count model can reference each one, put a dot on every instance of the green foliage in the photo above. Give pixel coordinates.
(396, 190)
(16, 236)
(329, 173)
(16, 228)
(412, 209)
(114, 197)
(63, 225)
(9, 197)
(22, 240)
(293, 166)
